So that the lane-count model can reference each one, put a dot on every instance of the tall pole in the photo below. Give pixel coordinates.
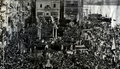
(53, 32)
(90, 7)
(3, 56)
(21, 13)
(17, 27)
(80, 11)
(56, 32)
(39, 30)
(87, 13)
(3, 50)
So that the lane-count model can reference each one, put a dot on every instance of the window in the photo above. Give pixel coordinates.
(40, 13)
(40, 5)
(75, 10)
(47, 5)
(75, 3)
(54, 13)
(68, 2)
(54, 5)
(68, 10)
(47, 13)
(28, 4)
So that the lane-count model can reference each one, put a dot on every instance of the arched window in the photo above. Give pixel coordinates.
(54, 5)
(40, 5)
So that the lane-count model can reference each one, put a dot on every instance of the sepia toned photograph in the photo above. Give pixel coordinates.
(59, 34)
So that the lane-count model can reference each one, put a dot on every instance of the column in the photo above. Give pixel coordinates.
(39, 31)
(53, 32)
(40, 34)
(56, 33)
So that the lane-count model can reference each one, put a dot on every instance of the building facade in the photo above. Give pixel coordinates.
(72, 8)
(46, 8)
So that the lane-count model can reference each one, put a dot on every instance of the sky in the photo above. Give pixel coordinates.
(107, 2)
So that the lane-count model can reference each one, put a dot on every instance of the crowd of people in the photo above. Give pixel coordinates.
(101, 41)
(59, 60)
(99, 54)
(104, 43)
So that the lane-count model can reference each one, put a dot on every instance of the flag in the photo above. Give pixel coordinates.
(78, 17)
(52, 19)
(113, 44)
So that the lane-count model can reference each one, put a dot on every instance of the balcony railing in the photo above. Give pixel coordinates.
(71, 5)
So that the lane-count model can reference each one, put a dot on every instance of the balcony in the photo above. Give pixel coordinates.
(71, 5)
(54, 13)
